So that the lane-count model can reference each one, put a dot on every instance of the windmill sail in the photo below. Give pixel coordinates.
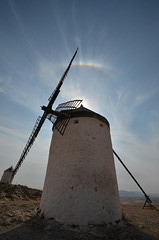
(70, 105)
(41, 120)
(54, 95)
(67, 106)
(61, 115)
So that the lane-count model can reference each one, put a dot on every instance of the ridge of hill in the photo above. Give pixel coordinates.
(124, 193)
(18, 192)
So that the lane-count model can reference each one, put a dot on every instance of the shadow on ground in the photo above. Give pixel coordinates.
(42, 229)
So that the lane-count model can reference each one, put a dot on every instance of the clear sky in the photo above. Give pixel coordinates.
(116, 73)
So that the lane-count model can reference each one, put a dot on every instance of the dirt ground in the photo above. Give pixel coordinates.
(19, 220)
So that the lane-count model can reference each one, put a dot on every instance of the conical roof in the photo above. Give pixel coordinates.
(84, 112)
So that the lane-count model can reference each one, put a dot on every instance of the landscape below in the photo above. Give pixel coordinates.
(19, 219)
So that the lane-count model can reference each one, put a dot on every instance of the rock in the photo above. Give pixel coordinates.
(10, 214)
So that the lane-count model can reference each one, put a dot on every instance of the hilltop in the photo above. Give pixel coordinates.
(18, 192)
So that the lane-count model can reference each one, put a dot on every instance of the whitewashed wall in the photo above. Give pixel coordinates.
(80, 185)
(6, 177)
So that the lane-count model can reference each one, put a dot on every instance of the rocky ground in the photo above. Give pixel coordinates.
(18, 220)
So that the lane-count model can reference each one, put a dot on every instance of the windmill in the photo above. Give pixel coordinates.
(10, 173)
(80, 185)
(60, 117)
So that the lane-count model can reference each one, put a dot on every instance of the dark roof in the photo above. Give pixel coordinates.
(9, 169)
(84, 112)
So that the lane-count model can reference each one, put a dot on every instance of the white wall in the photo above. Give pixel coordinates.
(80, 185)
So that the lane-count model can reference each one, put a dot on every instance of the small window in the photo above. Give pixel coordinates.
(75, 121)
(101, 125)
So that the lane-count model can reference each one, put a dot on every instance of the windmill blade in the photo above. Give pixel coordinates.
(61, 126)
(70, 105)
(52, 118)
(54, 95)
(38, 124)
(63, 118)
(41, 120)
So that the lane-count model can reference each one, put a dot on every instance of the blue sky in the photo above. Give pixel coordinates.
(116, 73)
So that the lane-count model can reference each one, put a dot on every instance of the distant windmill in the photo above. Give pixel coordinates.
(10, 173)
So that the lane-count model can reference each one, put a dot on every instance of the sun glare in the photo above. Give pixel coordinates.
(86, 103)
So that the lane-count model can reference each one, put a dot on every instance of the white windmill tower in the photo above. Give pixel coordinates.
(80, 184)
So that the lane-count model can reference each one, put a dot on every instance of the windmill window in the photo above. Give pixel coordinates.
(75, 121)
(101, 125)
